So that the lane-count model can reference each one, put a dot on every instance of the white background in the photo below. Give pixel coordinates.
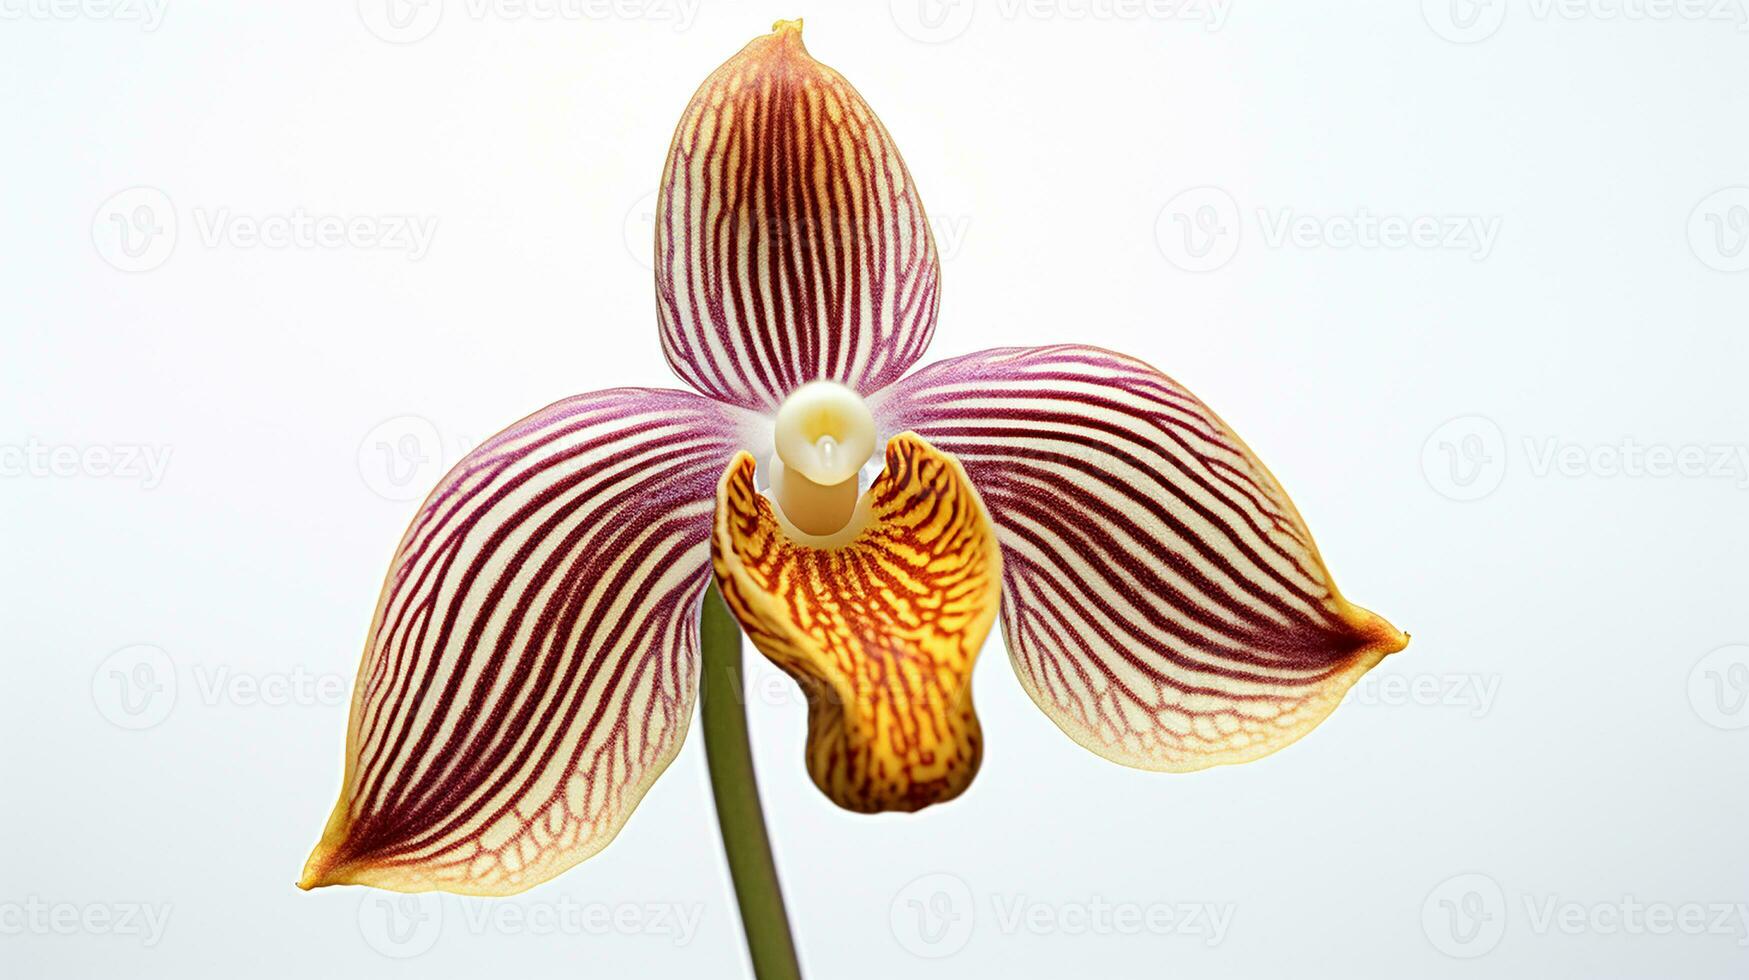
(1560, 733)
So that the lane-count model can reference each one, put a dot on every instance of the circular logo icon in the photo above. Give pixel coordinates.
(400, 926)
(1465, 916)
(402, 458)
(932, 21)
(932, 917)
(1465, 459)
(1718, 230)
(135, 687)
(1198, 230)
(135, 230)
(1718, 687)
(1464, 21)
(639, 230)
(401, 21)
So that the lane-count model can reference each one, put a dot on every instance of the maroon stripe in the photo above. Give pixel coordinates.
(832, 225)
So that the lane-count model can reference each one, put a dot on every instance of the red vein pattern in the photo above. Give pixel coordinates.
(879, 625)
(532, 662)
(1162, 600)
(790, 243)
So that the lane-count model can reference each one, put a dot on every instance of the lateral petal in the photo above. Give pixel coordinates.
(1163, 601)
(791, 245)
(880, 625)
(532, 663)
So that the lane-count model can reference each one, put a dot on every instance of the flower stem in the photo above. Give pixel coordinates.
(737, 795)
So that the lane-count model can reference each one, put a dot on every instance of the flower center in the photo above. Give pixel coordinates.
(824, 435)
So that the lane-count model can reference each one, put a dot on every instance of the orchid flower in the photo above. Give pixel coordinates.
(534, 657)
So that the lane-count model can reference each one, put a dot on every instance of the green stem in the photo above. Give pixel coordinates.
(737, 794)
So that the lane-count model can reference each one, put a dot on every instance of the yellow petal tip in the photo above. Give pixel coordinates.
(1377, 631)
(785, 37)
(318, 870)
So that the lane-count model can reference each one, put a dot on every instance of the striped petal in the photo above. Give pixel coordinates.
(531, 666)
(879, 625)
(1163, 601)
(790, 243)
